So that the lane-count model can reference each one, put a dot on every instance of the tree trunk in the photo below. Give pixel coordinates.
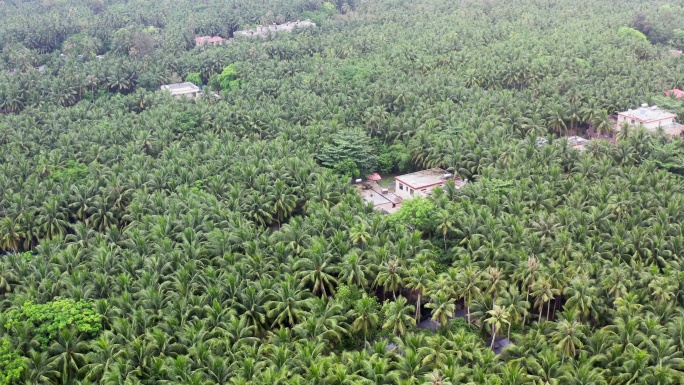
(445, 245)
(468, 313)
(418, 310)
(540, 313)
(527, 299)
(493, 338)
(548, 308)
(509, 330)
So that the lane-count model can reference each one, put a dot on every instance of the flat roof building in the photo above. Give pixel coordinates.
(422, 182)
(208, 40)
(186, 89)
(577, 142)
(650, 117)
(286, 27)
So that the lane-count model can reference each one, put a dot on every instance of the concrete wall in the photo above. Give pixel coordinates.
(406, 192)
(649, 126)
(193, 94)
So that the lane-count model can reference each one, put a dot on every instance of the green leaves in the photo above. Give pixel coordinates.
(194, 78)
(631, 34)
(70, 172)
(347, 147)
(417, 212)
(11, 364)
(46, 320)
(227, 80)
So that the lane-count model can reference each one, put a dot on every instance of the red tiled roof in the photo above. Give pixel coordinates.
(677, 93)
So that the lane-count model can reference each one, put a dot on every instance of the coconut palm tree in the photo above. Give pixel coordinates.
(442, 307)
(398, 316)
(418, 279)
(498, 316)
(516, 306)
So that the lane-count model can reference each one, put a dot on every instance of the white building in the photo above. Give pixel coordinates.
(182, 89)
(421, 183)
(577, 142)
(286, 27)
(650, 117)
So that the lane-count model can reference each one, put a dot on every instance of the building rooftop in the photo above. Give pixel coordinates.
(675, 92)
(287, 27)
(425, 178)
(577, 142)
(208, 39)
(645, 114)
(180, 88)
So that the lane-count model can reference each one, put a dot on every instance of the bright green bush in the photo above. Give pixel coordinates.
(49, 318)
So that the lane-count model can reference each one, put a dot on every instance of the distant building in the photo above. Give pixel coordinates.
(182, 89)
(421, 183)
(675, 92)
(650, 117)
(214, 40)
(286, 27)
(577, 142)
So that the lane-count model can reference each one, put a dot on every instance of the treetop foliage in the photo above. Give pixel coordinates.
(147, 239)
(47, 320)
(11, 364)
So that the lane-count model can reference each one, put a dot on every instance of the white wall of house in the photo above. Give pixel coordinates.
(406, 192)
(649, 125)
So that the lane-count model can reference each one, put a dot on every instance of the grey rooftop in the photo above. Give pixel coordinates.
(180, 88)
(648, 114)
(425, 178)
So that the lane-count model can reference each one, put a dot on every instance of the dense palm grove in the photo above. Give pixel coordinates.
(148, 240)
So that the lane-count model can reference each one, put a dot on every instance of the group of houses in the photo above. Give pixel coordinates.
(260, 30)
(652, 118)
(190, 90)
(422, 183)
(263, 31)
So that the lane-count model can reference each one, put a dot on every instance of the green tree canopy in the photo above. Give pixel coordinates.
(48, 319)
(11, 364)
(349, 145)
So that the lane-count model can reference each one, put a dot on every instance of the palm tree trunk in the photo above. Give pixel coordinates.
(418, 310)
(548, 308)
(509, 330)
(493, 338)
(540, 313)
(527, 299)
(445, 245)
(468, 313)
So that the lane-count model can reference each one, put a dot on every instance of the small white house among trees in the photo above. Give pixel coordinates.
(650, 117)
(421, 183)
(186, 89)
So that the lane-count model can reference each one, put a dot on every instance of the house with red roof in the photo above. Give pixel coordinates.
(675, 92)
